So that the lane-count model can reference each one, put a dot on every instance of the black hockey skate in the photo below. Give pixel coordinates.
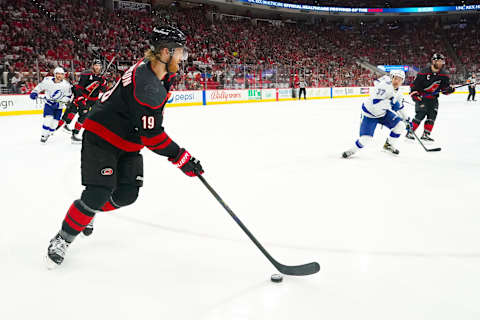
(66, 128)
(388, 147)
(56, 251)
(88, 229)
(426, 137)
(348, 154)
(43, 139)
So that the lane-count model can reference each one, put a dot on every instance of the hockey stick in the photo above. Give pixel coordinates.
(416, 137)
(465, 84)
(301, 270)
(421, 143)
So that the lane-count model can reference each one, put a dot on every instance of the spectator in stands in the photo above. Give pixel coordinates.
(10, 75)
(17, 82)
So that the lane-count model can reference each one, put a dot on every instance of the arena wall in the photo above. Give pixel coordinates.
(21, 104)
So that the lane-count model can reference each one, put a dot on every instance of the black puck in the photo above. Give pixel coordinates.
(276, 278)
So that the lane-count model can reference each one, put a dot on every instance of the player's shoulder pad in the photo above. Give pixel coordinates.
(148, 90)
(385, 80)
(86, 73)
(425, 70)
(444, 72)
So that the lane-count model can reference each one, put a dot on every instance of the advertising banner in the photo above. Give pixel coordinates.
(226, 96)
(185, 98)
(12, 104)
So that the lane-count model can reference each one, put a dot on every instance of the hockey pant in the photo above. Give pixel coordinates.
(304, 91)
(426, 108)
(471, 93)
(368, 126)
(50, 120)
(111, 177)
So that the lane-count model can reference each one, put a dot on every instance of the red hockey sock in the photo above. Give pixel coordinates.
(428, 127)
(77, 218)
(415, 125)
(78, 126)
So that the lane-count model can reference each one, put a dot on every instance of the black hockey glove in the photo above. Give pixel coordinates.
(448, 90)
(188, 164)
(415, 95)
(80, 102)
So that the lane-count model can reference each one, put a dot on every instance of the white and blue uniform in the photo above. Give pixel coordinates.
(384, 106)
(56, 94)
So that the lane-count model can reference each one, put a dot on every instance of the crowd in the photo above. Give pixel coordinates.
(383, 3)
(224, 51)
(465, 41)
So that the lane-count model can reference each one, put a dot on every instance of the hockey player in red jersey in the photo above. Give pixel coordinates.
(425, 90)
(128, 118)
(86, 94)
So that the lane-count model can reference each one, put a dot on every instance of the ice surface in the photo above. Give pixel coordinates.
(396, 237)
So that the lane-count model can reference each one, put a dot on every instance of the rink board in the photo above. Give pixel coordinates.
(21, 104)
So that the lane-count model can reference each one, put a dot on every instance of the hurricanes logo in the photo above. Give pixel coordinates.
(433, 87)
(107, 172)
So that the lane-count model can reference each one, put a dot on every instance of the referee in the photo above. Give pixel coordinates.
(303, 88)
(472, 81)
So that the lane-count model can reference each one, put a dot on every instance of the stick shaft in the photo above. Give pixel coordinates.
(237, 220)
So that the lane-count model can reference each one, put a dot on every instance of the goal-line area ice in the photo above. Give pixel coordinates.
(397, 237)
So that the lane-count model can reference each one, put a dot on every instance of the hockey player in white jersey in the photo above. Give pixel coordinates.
(57, 92)
(384, 106)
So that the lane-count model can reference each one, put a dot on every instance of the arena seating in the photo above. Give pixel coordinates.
(225, 51)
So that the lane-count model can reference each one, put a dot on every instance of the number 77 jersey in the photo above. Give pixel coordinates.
(130, 115)
(382, 98)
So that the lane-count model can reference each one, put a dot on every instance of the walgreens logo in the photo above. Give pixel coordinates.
(225, 95)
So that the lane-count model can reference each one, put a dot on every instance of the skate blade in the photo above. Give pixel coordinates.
(76, 142)
(50, 264)
(348, 157)
(390, 153)
(64, 129)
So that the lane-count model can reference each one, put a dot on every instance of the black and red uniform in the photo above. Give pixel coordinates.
(86, 94)
(429, 85)
(127, 118)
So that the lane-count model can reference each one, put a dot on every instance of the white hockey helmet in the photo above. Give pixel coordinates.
(397, 73)
(58, 70)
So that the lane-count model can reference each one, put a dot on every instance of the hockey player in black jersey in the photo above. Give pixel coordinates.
(86, 94)
(128, 118)
(425, 90)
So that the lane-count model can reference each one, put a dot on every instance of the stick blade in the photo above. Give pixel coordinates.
(301, 270)
(434, 150)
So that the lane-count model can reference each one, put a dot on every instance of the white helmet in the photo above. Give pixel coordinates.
(58, 70)
(397, 73)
